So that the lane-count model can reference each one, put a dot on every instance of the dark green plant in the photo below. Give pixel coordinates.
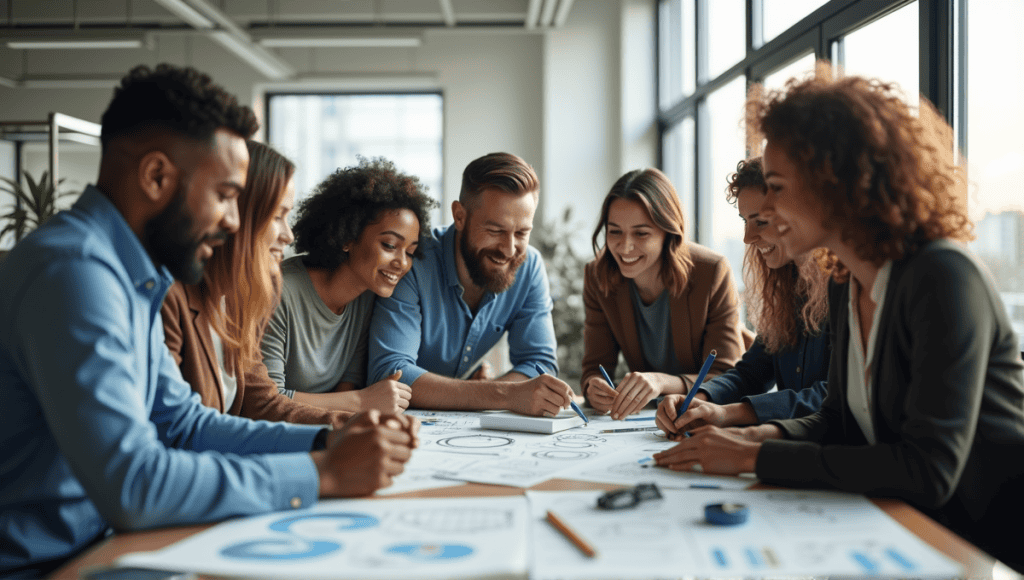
(565, 274)
(33, 205)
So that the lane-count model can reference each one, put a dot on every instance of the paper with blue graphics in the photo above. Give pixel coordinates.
(366, 539)
(790, 533)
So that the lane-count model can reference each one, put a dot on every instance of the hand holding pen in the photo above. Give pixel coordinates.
(572, 403)
(541, 396)
(669, 412)
(600, 391)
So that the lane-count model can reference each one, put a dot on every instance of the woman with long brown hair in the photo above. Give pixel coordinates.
(787, 306)
(665, 302)
(213, 328)
(926, 389)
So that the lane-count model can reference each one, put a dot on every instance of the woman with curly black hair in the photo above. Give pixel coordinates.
(356, 235)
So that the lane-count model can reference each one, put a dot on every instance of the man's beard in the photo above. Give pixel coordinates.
(497, 282)
(172, 242)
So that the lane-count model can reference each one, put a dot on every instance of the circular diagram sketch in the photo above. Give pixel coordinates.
(276, 549)
(563, 454)
(475, 441)
(462, 520)
(430, 552)
(576, 441)
(319, 523)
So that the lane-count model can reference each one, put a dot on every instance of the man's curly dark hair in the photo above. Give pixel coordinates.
(182, 100)
(349, 200)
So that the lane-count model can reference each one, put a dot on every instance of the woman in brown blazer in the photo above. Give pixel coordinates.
(213, 328)
(664, 302)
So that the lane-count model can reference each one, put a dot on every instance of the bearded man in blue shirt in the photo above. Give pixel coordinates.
(478, 279)
(99, 428)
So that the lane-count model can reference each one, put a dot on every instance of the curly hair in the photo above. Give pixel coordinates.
(653, 190)
(887, 179)
(349, 200)
(182, 100)
(239, 271)
(785, 302)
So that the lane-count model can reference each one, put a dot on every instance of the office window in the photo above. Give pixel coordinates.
(778, 15)
(995, 152)
(322, 133)
(678, 151)
(728, 147)
(727, 34)
(677, 64)
(887, 49)
(800, 67)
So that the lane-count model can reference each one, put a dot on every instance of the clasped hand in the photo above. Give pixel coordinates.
(366, 453)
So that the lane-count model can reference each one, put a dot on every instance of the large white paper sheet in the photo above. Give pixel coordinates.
(789, 533)
(636, 465)
(454, 447)
(367, 539)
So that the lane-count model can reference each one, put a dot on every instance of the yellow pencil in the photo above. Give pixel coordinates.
(569, 533)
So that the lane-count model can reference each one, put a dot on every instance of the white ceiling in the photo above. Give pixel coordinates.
(251, 29)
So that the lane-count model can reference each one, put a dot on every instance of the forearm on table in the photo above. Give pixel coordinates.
(349, 401)
(433, 391)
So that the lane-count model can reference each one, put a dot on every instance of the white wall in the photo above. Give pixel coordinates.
(577, 103)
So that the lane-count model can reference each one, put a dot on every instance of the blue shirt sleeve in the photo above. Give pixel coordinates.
(753, 374)
(126, 422)
(394, 340)
(531, 334)
(787, 403)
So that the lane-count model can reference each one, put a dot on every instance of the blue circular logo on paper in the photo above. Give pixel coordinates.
(343, 520)
(279, 549)
(428, 552)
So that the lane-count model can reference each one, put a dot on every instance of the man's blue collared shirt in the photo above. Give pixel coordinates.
(426, 326)
(99, 429)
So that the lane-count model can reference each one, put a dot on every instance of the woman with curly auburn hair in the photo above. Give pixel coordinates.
(791, 351)
(926, 383)
(357, 235)
(665, 302)
(215, 325)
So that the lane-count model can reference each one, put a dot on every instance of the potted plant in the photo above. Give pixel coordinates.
(565, 274)
(33, 204)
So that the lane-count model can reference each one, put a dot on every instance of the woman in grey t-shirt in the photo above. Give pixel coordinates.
(356, 235)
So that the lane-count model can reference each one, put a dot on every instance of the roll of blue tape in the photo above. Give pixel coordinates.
(726, 514)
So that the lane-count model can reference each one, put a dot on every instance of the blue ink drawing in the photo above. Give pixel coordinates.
(720, 558)
(900, 559)
(867, 563)
(428, 552)
(345, 521)
(753, 557)
(272, 549)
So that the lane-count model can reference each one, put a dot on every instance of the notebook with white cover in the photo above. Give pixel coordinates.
(509, 421)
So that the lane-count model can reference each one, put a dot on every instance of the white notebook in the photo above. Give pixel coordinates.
(509, 421)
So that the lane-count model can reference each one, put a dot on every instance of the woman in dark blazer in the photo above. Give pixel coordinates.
(664, 302)
(926, 385)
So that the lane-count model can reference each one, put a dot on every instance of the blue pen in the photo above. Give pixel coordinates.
(696, 385)
(575, 407)
(604, 373)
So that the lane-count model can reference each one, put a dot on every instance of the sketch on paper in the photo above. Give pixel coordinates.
(874, 545)
(467, 537)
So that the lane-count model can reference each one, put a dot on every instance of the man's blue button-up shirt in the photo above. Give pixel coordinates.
(426, 326)
(99, 429)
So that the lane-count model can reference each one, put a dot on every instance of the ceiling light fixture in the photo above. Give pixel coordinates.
(58, 44)
(254, 55)
(187, 13)
(342, 42)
